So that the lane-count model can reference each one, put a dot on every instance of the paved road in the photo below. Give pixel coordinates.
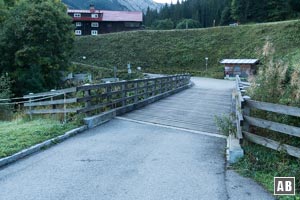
(125, 160)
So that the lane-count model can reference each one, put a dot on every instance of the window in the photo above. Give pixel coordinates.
(77, 15)
(95, 24)
(78, 32)
(78, 24)
(94, 15)
(94, 32)
(237, 70)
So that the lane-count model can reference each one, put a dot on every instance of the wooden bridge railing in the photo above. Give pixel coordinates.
(92, 99)
(243, 106)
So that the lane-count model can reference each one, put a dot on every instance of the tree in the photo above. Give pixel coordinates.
(2, 11)
(213, 12)
(5, 93)
(4, 6)
(226, 16)
(187, 24)
(295, 5)
(36, 43)
(277, 10)
(165, 24)
(239, 10)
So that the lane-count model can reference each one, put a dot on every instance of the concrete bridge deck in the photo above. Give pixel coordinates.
(169, 150)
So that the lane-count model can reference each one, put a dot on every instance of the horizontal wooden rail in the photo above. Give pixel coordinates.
(53, 111)
(274, 126)
(293, 151)
(282, 109)
(51, 93)
(54, 102)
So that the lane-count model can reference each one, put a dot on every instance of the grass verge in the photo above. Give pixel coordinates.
(263, 164)
(21, 134)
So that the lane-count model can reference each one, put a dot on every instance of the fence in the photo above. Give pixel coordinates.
(243, 120)
(97, 98)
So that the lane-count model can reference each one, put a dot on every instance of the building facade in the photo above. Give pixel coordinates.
(241, 67)
(94, 22)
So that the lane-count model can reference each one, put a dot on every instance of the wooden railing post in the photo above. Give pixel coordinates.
(246, 112)
(174, 82)
(161, 86)
(155, 87)
(180, 80)
(123, 88)
(108, 93)
(30, 107)
(87, 93)
(136, 92)
(65, 108)
(145, 89)
(53, 105)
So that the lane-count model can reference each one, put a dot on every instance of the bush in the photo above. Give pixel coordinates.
(5, 93)
(165, 24)
(225, 125)
(187, 24)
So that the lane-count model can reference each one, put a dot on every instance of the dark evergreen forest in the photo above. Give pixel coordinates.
(208, 13)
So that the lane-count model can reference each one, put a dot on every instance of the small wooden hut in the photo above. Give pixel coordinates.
(241, 67)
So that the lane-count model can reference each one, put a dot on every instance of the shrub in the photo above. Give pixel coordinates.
(165, 24)
(187, 24)
(5, 93)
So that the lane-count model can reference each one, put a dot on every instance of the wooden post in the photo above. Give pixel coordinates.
(173, 83)
(87, 93)
(108, 92)
(161, 86)
(30, 107)
(124, 84)
(65, 108)
(246, 111)
(146, 89)
(155, 87)
(136, 99)
(53, 106)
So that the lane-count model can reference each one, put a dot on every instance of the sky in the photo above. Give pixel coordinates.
(165, 1)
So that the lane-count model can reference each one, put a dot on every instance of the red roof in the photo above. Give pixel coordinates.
(114, 16)
(122, 16)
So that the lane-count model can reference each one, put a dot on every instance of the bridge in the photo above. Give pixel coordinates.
(170, 149)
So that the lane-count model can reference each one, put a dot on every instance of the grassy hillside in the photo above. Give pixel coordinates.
(180, 51)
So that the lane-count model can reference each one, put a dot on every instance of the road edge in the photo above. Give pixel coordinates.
(41, 146)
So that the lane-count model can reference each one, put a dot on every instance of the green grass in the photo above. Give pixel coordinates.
(21, 134)
(178, 51)
(263, 164)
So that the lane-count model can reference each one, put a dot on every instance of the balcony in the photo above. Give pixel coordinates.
(83, 18)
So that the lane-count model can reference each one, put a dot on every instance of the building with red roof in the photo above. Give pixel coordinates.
(94, 22)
